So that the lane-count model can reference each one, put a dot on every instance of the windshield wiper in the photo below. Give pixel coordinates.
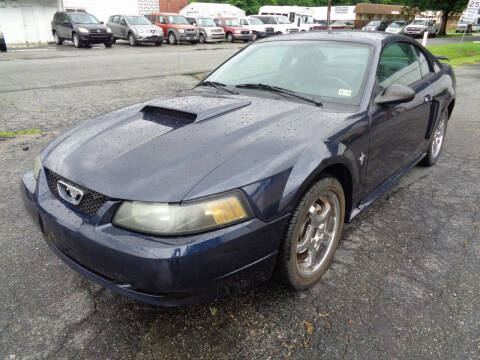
(280, 90)
(217, 85)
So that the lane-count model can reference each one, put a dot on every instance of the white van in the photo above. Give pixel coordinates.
(280, 24)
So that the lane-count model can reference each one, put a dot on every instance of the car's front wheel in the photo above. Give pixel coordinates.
(313, 234)
(58, 41)
(202, 39)
(230, 37)
(172, 40)
(131, 40)
(436, 143)
(76, 40)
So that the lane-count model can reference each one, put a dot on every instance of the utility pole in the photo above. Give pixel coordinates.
(329, 9)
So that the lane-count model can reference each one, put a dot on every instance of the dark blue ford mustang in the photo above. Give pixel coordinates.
(182, 199)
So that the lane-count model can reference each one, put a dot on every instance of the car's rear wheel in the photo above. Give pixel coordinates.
(76, 40)
(313, 234)
(58, 41)
(131, 40)
(230, 37)
(172, 39)
(436, 143)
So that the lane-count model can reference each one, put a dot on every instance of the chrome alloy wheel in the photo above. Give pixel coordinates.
(76, 41)
(438, 137)
(316, 240)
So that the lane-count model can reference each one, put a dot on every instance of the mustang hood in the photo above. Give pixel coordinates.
(186, 147)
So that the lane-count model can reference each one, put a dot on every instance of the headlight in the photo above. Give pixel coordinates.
(109, 30)
(37, 166)
(181, 31)
(83, 30)
(237, 31)
(187, 218)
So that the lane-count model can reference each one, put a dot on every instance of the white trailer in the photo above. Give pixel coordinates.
(300, 16)
(344, 13)
(196, 9)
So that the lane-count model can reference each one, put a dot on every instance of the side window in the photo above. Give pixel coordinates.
(398, 65)
(115, 19)
(424, 65)
(162, 20)
(66, 19)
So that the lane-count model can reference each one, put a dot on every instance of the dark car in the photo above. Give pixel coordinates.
(3, 44)
(81, 28)
(136, 29)
(376, 26)
(182, 199)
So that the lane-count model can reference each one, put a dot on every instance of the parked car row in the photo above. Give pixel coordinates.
(414, 28)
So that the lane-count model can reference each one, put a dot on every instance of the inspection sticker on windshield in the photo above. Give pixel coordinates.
(344, 92)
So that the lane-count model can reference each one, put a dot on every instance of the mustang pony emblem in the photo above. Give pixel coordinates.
(69, 193)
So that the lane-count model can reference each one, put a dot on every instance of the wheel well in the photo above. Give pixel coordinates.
(342, 174)
(450, 108)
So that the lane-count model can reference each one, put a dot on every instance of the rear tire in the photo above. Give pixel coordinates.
(313, 234)
(436, 143)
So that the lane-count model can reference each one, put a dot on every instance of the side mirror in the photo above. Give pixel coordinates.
(441, 57)
(395, 94)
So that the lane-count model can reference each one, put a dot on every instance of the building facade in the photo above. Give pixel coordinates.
(172, 6)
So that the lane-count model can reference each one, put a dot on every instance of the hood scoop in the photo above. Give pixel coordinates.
(176, 118)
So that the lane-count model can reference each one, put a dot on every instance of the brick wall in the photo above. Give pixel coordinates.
(173, 6)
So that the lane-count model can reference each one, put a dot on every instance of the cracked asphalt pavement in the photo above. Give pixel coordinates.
(404, 282)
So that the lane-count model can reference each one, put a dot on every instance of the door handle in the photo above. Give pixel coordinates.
(428, 98)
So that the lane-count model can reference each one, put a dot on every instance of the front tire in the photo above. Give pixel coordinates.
(436, 143)
(58, 41)
(76, 40)
(131, 40)
(172, 39)
(313, 234)
(230, 37)
(109, 43)
(202, 39)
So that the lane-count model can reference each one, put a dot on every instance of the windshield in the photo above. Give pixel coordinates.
(232, 22)
(138, 20)
(330, 70)
(307, 19)
(177, 20)
(373, 23)
(398, 24)
(83, 18)
(267, 20)
(419, 22)
(254, 21)
(282, 20)
(205, 22)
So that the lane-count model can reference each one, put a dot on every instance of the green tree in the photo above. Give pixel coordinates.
(448, 7)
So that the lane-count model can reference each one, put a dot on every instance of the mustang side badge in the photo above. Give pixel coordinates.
(69, 193)
(362, 158)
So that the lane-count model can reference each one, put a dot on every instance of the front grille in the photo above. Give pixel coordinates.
(245, 32)
(216, 30)
(91, 202)
(190, 30)
(293, 30)
(269, 29)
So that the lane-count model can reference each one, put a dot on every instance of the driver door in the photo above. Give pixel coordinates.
(398, 130)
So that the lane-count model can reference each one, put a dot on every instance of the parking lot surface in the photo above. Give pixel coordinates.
(404, 282)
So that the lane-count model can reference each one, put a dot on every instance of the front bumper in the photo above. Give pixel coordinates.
(149, 38)
(215, 37)
(93, 38)
(188, 37)
(167, 271)
(243, 37)
(414, 32)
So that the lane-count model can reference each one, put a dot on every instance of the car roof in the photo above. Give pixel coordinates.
(374, 38)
